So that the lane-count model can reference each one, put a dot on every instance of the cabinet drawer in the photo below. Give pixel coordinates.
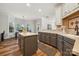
(53, 39)
(67, 52)
(53, 43)
(60, 45)
(59, 37)
(68, 45)
(67, 49)
(47, 38)
(54, 35)
(71, 41)
(41, 37)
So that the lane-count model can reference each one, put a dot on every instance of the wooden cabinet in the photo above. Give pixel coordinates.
(20, 43)
(28, 44)
(40, 36)
(53, 40)
(65, 45)
(70, 41)
(67, 49)
(60, 43)
(48, 38)
(44, 37)
(68, 46)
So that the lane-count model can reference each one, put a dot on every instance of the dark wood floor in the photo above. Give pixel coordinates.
(10, 48)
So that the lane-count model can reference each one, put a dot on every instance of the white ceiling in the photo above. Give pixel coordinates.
(20, 9)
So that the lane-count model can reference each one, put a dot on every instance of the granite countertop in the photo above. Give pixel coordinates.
(27, 34)
(74, 37)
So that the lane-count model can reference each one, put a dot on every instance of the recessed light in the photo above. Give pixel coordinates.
(39, 10)
(28, 4)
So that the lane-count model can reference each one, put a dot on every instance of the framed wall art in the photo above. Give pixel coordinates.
(73, 22)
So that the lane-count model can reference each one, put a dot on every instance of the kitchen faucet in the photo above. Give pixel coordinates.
(76, 28)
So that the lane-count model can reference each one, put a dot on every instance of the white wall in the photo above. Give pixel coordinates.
(46, 21)
(4, 24)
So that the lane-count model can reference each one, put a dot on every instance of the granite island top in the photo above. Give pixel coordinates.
(27, 34)
(74, 37)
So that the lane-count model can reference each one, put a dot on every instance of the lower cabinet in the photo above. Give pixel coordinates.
(41, 37)
(68, 46)
(62, 43)
(48, 38)
(28, 45)
(67, 49)
(53, 40)
(20, 43)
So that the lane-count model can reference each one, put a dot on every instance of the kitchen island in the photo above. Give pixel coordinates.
(28, 43)
(67, 44)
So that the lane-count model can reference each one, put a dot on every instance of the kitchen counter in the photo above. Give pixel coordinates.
(28, 43)
(74, 37)
(24, 34)
(75, 49)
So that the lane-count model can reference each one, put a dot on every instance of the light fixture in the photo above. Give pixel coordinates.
(28, 4)
(39, 10)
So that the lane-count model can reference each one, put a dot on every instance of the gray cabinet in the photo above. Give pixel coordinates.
(20, 43)
(28, 44)
(53, 40)
(68, 46)
(60, 43)
(41, 37)
(67, 49)
(48, 38)
(65, 45)
(71, 41)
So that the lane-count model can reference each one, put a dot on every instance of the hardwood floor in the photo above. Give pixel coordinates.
(10, 48)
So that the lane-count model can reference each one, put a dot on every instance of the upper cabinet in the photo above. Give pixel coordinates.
(68, 8)
(58, 15)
